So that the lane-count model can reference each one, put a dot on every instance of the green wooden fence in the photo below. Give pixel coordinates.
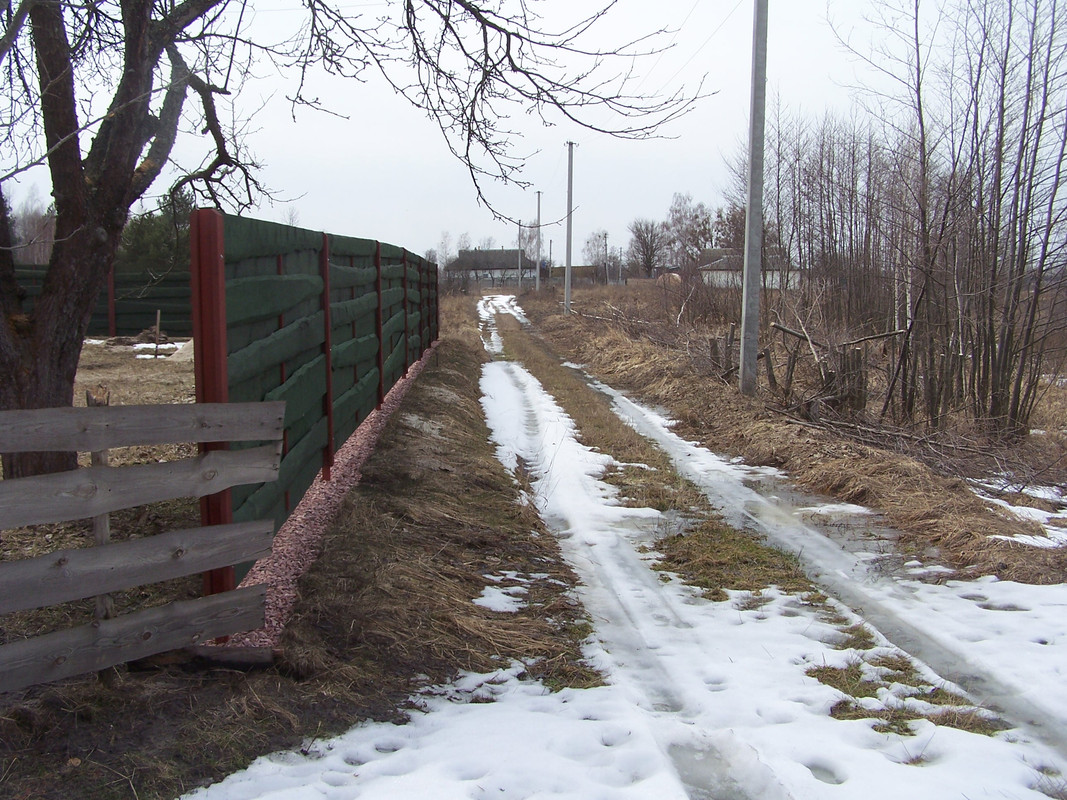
(326, 323)
(129, 303)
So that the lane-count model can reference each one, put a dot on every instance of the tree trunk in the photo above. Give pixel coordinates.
(39, 352)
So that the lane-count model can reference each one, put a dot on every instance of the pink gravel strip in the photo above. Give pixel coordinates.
(297, 543)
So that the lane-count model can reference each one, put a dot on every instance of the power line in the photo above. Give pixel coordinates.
(670, 44)
(706, 42)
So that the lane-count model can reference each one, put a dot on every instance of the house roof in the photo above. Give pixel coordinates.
(490, 260)
(732, 259)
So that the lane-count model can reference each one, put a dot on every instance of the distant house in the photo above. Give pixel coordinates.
(578, 273)
(495, 267)
(722, 267)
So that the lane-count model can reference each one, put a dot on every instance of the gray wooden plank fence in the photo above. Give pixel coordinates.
(67, 575)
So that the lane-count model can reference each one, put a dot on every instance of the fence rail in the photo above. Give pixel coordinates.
(94, 492)
(326, 323)
(129, 302)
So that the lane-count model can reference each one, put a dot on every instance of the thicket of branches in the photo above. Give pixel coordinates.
(943, 213)
(940, 213)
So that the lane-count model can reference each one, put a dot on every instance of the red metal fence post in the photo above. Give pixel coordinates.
(378, 322)
(435, 334)
(424, 305)
(327, 352)
(407, 314)
(208, 279)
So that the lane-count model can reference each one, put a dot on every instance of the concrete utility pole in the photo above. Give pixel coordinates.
(570, 213)
(607, 275)
(537, 271)
(518, 246)
(749, 380)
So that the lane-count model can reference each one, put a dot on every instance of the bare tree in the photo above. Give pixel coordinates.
(647, 252)
(444, 253)
(942, 214)
(34, 230)
(98, 93)
(689, 226)
(595, 253)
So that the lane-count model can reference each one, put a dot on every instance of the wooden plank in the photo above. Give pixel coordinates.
(392, 297)
(301, 451)
(165, 291)
(67, 575)
(258, 504)
(343, 246)
(348, 311)
(393, 363)
(114, 641)
(344, 277)
(354, 351)
(393, 326)
(275, 349)
(302, 391)
(85, 493)
(126, 280)
(89, 429)
(248, 238)
(349, 404)
(174, 307)
(267, 296)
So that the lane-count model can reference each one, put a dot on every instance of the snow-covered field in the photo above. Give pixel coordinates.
(704, 700)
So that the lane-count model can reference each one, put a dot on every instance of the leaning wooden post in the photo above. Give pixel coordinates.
(208, 278)
(105, 604)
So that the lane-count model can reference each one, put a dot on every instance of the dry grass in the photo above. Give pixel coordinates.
(714, 557)
(385, 608)
(622, 336)
(848, 680)
(904, 697)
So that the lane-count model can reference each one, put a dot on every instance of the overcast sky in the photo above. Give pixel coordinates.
(385, 172)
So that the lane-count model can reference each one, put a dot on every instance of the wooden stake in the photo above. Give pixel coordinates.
(101, 396)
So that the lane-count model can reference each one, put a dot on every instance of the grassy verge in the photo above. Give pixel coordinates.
(386, 608)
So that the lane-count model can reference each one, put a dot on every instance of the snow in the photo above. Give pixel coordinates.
(703, 699)
(1055, 535)
(503, 600)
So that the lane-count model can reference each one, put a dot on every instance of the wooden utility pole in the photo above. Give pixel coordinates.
(570, 214)
(754, 209)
